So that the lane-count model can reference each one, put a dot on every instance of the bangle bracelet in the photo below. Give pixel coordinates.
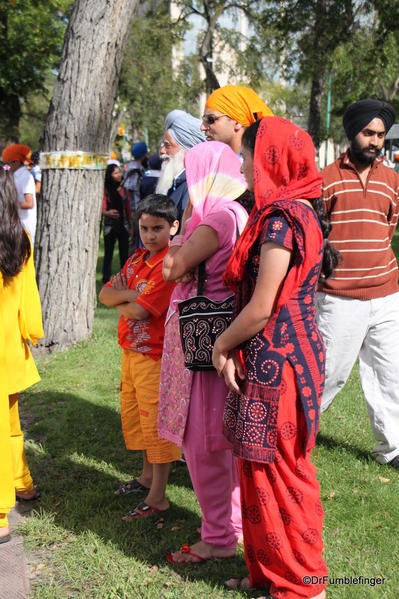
(177, 240)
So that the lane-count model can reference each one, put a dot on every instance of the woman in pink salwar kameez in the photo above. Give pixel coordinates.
(191, 404)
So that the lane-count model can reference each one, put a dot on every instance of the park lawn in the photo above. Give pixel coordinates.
(77, 543)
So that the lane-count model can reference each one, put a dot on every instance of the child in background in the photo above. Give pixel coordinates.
(141, 296)
(117, 219)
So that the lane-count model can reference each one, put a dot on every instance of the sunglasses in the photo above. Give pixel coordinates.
(209, 119)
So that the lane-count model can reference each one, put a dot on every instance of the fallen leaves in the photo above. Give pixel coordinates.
(383, 480)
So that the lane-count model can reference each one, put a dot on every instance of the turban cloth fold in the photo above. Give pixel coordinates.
(240, 103)
(16, 152)
(359, 114)
(139, 150)
(184, 129)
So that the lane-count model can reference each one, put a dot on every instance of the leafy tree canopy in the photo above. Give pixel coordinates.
(151, 83)
(31, 36)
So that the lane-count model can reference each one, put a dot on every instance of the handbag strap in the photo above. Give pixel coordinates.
(201, 266)
(201, 278)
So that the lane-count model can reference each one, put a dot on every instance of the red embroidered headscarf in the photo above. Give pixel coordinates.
(284, 168)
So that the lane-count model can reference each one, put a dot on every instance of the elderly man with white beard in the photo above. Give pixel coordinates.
(182, 132)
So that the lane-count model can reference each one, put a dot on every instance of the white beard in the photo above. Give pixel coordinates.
(171, 168)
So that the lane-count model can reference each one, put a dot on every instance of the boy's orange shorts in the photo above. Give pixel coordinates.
(139, 408)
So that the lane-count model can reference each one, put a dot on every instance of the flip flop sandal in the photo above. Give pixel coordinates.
(133, 486)
(187, 549)
(5, 539)
(25, 500)
(143, 510)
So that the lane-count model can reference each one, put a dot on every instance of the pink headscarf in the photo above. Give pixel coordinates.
(213, 179)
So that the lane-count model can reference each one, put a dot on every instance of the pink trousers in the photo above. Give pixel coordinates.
(211, 464)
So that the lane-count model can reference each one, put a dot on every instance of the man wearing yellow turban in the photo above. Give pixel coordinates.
(228, 111)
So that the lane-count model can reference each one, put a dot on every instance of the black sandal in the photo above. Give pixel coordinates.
(21, 499)
(143, 510)
(133, 486)
(5, 539)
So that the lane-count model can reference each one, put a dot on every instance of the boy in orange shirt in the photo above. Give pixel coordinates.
(141, 296)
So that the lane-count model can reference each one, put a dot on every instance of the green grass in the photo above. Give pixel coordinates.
(80, 547)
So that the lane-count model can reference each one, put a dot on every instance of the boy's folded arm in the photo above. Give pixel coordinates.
(112, 297)
(133, 310)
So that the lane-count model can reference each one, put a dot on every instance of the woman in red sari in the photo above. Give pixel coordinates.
(272, 359)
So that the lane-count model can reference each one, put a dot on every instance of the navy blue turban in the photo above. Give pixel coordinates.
(359, 114)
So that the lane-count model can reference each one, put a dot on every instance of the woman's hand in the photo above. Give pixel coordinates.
(227, 365)
(219, 358)
(112, 213)
(186, 278)
(233, 371)
(180, 260)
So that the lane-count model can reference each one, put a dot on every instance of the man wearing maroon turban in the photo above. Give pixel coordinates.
(358, 307)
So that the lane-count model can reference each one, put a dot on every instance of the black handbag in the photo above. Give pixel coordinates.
(201, 321)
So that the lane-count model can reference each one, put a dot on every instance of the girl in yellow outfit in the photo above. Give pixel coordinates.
(7, 489)
(21, 320)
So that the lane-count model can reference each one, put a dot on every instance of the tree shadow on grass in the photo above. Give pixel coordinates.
(331, 443)
(65, 424)
(81, 444)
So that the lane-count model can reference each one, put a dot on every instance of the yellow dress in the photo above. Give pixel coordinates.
(22, 316)
(21, 321)
(7, 489)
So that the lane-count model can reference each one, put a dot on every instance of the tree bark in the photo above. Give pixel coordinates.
(328, 32)
(206, 57)
(10, 114)
(79, 118)
(318, 71)
(314, 120)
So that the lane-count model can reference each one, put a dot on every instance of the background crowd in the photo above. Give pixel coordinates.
(298, 266)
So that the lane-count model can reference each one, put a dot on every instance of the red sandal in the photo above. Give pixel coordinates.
(143, 510)
(187, 549)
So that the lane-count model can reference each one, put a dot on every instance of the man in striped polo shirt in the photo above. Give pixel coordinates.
(358, 307)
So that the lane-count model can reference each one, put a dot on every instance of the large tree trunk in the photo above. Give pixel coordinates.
(318, 73)
(206, 57)
(314, 120)
(79, 118)
(333, 24)
(10, 114)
